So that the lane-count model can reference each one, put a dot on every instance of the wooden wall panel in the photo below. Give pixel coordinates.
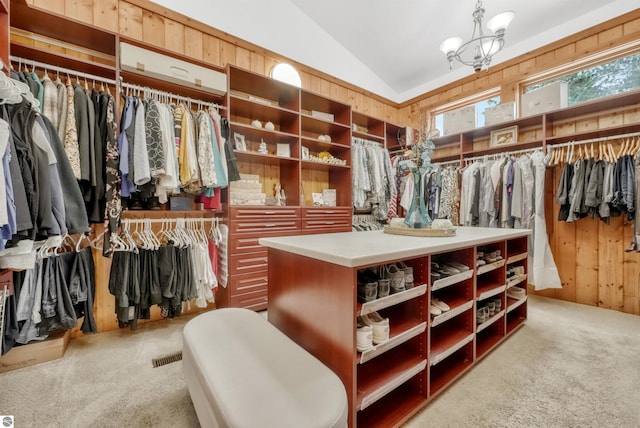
(174, 36)
(586, 289)
(105, 14)
(153, 31)
(211, 49)
(193, 43)
(82, 10)
(130, 20)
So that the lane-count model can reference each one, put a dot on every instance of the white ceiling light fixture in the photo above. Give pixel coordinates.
(479, 51)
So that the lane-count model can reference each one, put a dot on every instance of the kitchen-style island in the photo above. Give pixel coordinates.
(313, 298)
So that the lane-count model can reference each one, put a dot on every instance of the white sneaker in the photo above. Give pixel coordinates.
(364, 337)
(440, 305)
(380, 327)
(434, 311)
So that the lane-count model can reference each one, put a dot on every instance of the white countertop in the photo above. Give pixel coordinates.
(354, 249)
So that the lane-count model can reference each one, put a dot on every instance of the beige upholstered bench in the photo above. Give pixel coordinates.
(243, 372)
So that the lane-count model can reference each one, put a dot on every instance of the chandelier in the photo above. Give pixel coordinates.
(478, 51)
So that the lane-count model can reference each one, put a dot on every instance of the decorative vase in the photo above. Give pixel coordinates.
(417, 217)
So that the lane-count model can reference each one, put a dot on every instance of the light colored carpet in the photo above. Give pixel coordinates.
(569, 366)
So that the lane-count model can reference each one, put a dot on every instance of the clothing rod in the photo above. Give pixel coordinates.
(501, 154)
(62, 70)
(170, 95)
(594, 140)
(451, 162)
(169, 220)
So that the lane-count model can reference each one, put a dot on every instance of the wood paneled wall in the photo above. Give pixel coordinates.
(147, 22)
(594, 268)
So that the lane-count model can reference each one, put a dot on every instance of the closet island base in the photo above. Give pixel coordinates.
(313, 299)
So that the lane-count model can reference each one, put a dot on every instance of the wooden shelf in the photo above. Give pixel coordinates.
(516, 281)
(61, 28)
(457, 306)
(449, 370)
(596, 133)
(517, 258)
(446, 345)
(390, 300)
(399, 333)
(489, 267)
(489, 290)
(261, 159)
(486, 342)
(396, 408)
(513, 304)
(613, 102)
(451, 280)
(490, 321)
(387, 376)
(63, 60)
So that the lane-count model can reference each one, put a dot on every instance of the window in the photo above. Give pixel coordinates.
(286, 73)
(613, 77)
(480, 107)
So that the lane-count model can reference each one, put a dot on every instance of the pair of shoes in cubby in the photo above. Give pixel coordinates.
(438, 307)
(515, 271)
(379, 325)
(516, 293)
(396, 277)
(371, 287)
(445, 269)
(488, 309)
(484, 257)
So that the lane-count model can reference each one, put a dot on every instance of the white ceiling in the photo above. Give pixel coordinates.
(391, 48)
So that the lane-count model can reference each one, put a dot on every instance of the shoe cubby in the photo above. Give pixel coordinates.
(407, 320)
(489, 334)
(441, 278)
(380, 376)
(490, 257)
(403, 400)
(490, 283)
(459, 297)
(449, 369)
(516, 313)
(448, 337)
(517, 249)
(516, 265)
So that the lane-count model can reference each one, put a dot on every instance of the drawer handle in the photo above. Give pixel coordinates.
(270, 225)
(269, 212)
(329, 222)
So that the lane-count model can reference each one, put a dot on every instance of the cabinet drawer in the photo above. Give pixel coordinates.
(238, 213)
(255, 301)
(263, 225)
(248, 283)
(344, 224)
(327, 230)
(326, 212)
(249, 262)
(246, 243)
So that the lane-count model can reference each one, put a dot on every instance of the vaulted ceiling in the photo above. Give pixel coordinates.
(391, 48)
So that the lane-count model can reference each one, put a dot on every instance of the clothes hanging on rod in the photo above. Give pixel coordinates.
(52, 295)
(508, 192)
(170, 148)
(166, 268)
(372, 186)
(598, 186)
(36, 170)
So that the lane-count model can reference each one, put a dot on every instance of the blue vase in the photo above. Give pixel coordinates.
(417, 217)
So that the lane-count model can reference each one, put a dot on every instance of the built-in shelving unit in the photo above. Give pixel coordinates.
(615, 116)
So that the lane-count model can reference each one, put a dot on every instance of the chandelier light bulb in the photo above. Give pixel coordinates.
(480, 49)
(500, 22)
